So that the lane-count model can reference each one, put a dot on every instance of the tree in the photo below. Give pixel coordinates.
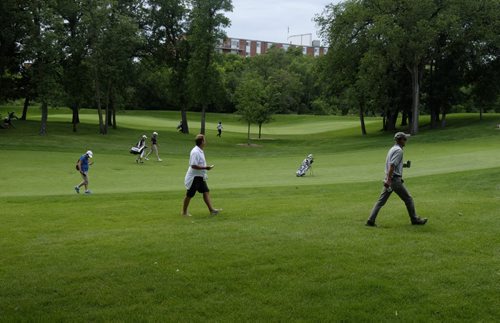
(207, 21)
(250, 98)
(167, 26)
(42, 49)
(76, 75)
(14, 24)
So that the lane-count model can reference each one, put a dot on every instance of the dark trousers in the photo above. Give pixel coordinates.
(399, 188)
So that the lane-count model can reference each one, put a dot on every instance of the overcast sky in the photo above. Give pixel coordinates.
(269, 20)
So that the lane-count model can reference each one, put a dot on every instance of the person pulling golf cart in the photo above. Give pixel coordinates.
(139, 149)
(305, 166)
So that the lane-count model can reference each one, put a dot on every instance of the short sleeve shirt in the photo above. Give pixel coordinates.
(84, 163)
(395, 157)
(196, 157)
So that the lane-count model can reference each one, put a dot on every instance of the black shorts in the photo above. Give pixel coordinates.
(199, 185)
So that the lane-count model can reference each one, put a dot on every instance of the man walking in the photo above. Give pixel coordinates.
(154, 147)
(83, 167)
(394, 182)
(196, 177)
(219, 129)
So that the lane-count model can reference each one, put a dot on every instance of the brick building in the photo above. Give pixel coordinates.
(251, 48)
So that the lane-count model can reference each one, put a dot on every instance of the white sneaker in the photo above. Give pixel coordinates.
(186, 215)
(88, 192)
(159, 159)
(146, 158)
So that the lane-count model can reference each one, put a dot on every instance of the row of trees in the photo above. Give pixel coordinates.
(405, 55)
(395, 58)
(103, 53)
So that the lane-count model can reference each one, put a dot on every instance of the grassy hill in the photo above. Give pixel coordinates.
(284, 248)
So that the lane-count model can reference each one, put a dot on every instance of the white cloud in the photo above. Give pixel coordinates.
(269, 20)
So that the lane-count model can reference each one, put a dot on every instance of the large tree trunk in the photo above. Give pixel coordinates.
(113, 111)
(481, 112)
(99, 108)
(45, 113)
(185, 126)
(107, 118)
(25, 107)
(260, 129)
(248, 134)
(415, 93)
(443, 120)
(404, 118)
(203, 118)
(390, 123)
(75, 120)
(362, 119)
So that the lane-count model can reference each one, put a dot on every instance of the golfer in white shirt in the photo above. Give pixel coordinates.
(196, 177)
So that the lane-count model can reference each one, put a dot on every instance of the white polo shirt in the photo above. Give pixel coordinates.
(196, 157)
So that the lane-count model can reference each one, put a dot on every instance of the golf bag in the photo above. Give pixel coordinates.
(139, 148)
(305, 166)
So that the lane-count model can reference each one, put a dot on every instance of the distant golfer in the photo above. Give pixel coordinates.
(196, 177)
(83, 167)
(394, 182)
(219, 129)
(154, 147)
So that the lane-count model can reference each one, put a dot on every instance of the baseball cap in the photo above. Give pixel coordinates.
(400, 135)
(90, 153)
(155, 133)
(310, 156)
(144, 136)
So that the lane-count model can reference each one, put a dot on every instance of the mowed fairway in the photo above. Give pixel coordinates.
(283, 249)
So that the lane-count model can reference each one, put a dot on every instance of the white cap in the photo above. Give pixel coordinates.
(155, 133)
(144, 136)
(310, 156)
(89, 153)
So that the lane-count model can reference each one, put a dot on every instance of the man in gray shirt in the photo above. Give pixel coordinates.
(394, 182)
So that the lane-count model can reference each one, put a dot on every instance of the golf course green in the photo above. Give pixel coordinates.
(283, 248)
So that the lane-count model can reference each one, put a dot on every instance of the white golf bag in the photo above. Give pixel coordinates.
(139, 148)
(305, 166)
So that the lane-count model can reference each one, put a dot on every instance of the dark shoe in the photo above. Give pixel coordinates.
(419, 221)
(370, 223)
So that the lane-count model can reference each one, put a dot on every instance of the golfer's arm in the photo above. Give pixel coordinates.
(79, 165)
(391, 172)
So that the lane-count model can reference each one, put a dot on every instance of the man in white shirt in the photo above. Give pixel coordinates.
(394, 182)
(196, 177)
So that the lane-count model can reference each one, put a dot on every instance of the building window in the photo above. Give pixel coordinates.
(286, 46)
(304, 50)
(316, 51)
(247, 49)
(235, 43)
(325, 50)
(258, 51)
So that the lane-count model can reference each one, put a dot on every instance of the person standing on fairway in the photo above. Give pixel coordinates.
(154, 147)
(83, 167)
(196, 177)
(219, 129)
(394, 182)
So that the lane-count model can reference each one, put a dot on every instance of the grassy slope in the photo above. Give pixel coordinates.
(284, 249)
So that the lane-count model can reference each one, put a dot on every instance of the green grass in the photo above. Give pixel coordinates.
(284, 248)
